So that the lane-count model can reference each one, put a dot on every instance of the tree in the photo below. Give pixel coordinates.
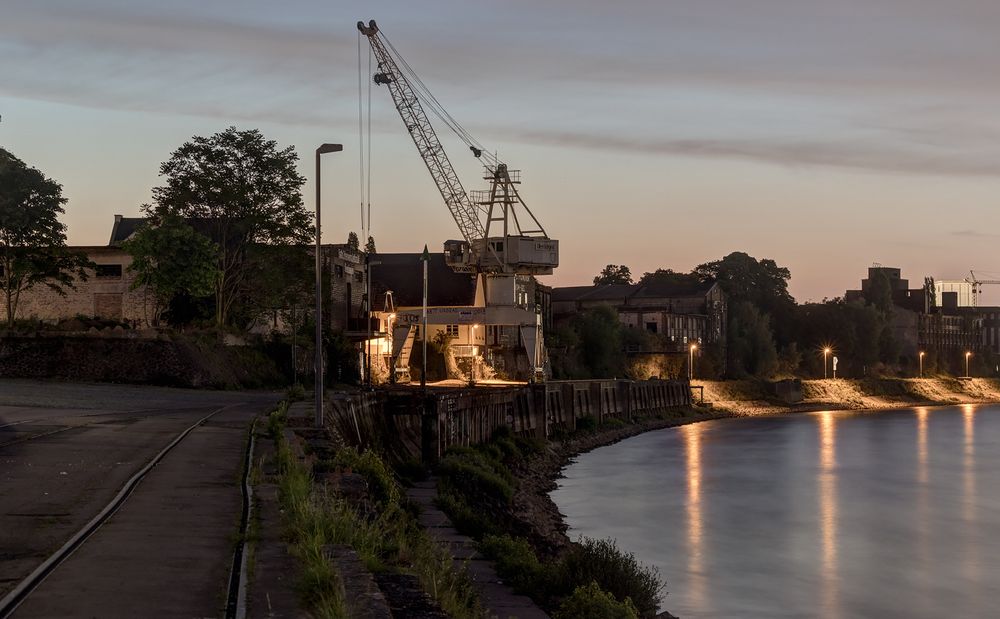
(614, 274)
(352, 241)
(751, 344)
(600, 334)
(32, 239)
(670, 277)
(370, 246)
(172, 259)
(245, 192)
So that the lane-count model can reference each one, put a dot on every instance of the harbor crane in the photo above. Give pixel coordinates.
(495, 239)
(503, 244)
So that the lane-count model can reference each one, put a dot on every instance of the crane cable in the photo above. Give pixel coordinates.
(365, 144)
(428, 99)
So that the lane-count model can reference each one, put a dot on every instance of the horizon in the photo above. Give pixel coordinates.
(664, 140)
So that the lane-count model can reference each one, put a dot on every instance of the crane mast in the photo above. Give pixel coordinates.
(494, 240)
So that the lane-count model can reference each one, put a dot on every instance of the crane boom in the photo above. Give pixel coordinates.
(467, 215)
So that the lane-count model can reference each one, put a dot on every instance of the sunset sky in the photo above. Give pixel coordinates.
(827, 136)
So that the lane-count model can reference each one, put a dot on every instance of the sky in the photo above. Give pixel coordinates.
(656, 134)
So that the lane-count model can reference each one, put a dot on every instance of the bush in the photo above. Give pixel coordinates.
(616, 571)
(517, 564)
(613, 422)
(587, 423)
(296, 393)
(589, 602)
(466, 519)
(381, 482)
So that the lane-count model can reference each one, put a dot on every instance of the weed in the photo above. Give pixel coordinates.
(590, 602)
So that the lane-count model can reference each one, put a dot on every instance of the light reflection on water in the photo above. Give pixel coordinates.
(894, 514)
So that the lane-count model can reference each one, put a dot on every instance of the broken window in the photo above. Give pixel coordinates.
(108, 271)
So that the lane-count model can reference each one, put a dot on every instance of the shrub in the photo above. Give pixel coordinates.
(613, 422)
(616, 571)
(381, 482)
(587, 423)
(296, 393)
(466, 519)
(517, 564)
(589, 602)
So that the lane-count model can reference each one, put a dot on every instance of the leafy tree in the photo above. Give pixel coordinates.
(172, 259)
(670, 277)
(751, 343)
(32, 239)
(614, 274)
(352, 241)
(600, 334)
(370, 246)
(744, 278)
(245, 191)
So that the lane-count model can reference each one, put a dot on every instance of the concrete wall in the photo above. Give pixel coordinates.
(404, 424)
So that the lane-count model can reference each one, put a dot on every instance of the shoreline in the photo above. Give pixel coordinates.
(539, 518)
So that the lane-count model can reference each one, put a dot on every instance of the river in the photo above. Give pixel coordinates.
(831, 514)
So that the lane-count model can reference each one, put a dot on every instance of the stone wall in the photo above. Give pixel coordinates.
(97, 297)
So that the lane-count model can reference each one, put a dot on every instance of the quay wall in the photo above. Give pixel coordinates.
(408, 424)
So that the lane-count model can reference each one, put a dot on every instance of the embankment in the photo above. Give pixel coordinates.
(166, 361)
(747, 398)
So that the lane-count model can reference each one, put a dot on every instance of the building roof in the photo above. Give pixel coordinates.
(403, 275)
(124, 227)
(673, 290)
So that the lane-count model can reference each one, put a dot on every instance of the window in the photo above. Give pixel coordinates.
(108, 271)
(651, 327)
(359, 276)
(451, 330)
(338, 269)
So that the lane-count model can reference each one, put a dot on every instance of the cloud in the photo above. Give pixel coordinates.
(977, 234)
(847, 154)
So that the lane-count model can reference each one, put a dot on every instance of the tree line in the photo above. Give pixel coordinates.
(767, 333)
(226, 236)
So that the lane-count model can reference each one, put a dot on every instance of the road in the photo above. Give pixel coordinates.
(66, 450)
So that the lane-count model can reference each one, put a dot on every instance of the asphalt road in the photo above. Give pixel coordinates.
(66, 450)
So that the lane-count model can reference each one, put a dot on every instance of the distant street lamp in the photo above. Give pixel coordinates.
(826, 353)
(318, 384)
(967, 355)
(921, 357)
(693, 348)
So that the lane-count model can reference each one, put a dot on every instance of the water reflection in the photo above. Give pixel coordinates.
(971, 559)
(696, 568)
(828, 511)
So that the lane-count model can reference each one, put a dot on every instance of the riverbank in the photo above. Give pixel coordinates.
(543, 525)
(752, 398)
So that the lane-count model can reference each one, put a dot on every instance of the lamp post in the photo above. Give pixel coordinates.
(691, 350)
(318, 385)
(967, 355)
(826, 354)
(921, 358)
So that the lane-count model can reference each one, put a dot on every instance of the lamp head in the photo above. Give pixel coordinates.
(329, 148)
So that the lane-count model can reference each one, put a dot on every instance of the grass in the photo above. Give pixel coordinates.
(475, 489)
(386, 540)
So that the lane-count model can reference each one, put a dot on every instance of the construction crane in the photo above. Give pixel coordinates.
(977, 286)
(512, 250)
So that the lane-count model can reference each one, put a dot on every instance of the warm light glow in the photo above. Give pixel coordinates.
(392, 316)
(474, 327)
(695, 529)
(694, 347)
(826, 351)
(828, 510)
(922, 353)
(968, 354)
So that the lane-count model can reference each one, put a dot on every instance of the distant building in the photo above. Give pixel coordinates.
(681, 314)
(107, 292)
(505, 336)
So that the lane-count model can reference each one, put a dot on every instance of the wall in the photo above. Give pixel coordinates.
(404, 424)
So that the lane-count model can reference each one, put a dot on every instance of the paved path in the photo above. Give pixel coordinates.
(66, 450)
(499, 599)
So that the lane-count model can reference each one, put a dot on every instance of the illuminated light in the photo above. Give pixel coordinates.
(828, 510)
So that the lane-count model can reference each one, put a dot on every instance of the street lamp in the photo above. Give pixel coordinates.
(826, 353)
(921, 358)
(318, 385)
(967, 355)
(693, 348)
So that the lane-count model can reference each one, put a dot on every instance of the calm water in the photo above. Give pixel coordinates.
(894, 514)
